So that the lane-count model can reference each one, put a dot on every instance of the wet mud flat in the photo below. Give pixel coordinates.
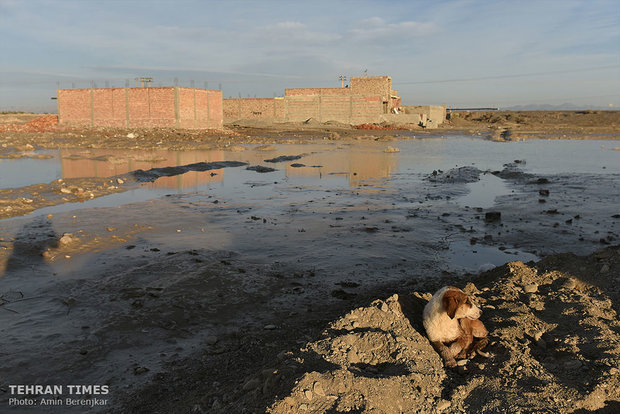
(218, 298)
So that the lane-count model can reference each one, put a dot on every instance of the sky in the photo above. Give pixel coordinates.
(464, 53)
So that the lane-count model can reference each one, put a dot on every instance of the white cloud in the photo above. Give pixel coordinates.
(289, 25)
(377, 29)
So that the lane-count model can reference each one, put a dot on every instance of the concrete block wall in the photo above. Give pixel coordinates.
(254, 108)
(316, 91)
(366, 109)
(435, 115)
(352, 109)
(372, 85)
(141, 107)
(302, 107)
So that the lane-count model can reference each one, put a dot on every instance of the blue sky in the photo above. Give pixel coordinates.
(459, 53)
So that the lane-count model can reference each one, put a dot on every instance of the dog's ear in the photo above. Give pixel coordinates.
(451, 300)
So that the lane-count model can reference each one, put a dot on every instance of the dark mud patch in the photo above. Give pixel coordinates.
(464, 175)
(155, 173)
(261, 169)
(283, 158)
(513, 171)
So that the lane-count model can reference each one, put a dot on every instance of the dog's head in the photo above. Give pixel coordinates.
(458, 305)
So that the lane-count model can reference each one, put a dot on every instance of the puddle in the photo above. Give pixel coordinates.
(483, 193)
(21, 172)
(476, 258)
(158, 268)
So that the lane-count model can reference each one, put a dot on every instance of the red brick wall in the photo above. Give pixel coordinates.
(161, 107)
(74, 106)
(141, 107)
(215, 119)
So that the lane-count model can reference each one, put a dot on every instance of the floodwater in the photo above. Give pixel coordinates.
(159, 268)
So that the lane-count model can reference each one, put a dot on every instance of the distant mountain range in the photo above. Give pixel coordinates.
(548, 107)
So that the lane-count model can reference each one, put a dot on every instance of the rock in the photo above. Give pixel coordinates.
(131, 135)
(462, 362)
(570, 284)
(542, 344)
(212, 340)
(270, 327)
(110, 228)
(543, 192)
(252, 384)
(391, 149)
(353, 357)
(492, 216)
(120, 181)
(605, 268)
(66, 239)
(443, 404)
(318, 389)
(384, 307)
(65, 190)
(531, 288)
(140, 370)
(308, 395)
(470, 289)
(572, 365)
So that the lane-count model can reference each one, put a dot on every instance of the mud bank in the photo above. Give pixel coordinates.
(25, 200)
(554, 348)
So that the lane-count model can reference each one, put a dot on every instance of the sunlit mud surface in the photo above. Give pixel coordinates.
(147, 276)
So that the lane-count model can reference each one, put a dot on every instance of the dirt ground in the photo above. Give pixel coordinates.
(555, 347)
(554, 329)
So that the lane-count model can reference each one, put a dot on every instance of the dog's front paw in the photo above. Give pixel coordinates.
(450, 363)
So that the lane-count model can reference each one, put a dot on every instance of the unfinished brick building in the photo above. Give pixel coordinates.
(174, 107)
(366, 100)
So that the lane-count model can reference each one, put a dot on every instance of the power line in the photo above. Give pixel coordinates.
(521, 75)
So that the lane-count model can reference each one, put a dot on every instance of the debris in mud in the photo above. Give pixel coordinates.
(465, 174)
(41, 124)
(155, 173)
(391, 149)
(297, 165)
(341, 294)
(283, 158)
(67, 239)
(492, 216)
(261, 169)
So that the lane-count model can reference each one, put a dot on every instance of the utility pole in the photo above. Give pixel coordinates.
(342, 79)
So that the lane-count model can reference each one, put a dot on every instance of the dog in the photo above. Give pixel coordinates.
(451, 322)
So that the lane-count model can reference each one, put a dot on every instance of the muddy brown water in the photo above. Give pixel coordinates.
(154, 273)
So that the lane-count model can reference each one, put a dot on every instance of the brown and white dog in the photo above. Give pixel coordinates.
(451, 322)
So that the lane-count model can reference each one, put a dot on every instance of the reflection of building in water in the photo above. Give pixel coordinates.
(108, 163)
(359, 164)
